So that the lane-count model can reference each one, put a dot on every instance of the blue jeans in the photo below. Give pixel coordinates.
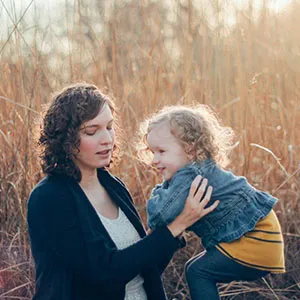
(209, 267)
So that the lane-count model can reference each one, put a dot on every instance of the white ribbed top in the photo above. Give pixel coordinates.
(123, 233)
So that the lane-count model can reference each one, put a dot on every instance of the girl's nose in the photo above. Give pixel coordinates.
(155, 159)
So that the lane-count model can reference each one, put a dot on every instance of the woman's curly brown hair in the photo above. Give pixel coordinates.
(59, 134)
(198, 130)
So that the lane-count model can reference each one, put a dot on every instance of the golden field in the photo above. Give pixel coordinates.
(243, 61)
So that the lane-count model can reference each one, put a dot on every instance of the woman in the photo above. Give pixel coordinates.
(87, 239)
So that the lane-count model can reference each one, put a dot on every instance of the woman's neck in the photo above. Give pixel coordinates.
(89, 178)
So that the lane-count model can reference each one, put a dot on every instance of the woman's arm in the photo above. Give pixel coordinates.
(55, 232)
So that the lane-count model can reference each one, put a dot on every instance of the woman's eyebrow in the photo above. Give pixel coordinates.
(88, 126)
(96, 125)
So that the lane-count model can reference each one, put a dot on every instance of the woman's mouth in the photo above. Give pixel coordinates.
(104, 152)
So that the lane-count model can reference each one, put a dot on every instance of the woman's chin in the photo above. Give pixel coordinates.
(105, 163)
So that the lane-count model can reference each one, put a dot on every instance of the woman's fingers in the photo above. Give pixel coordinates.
(201, 190)
(194, 208)
(207, 196)
(201, 187)
(211, 208)
(203, 197)
(198, 187)
(195, 186)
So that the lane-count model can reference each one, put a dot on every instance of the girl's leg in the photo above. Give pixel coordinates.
(209, 267)
(202, 284)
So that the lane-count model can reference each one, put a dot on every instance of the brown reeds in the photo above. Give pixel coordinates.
(148, 54)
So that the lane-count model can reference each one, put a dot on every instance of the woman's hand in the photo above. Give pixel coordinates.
(194, 208)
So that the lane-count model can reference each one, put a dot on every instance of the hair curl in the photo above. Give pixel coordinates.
(197, 128)
(59, 138)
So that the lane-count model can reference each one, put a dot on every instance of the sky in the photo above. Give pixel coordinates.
(274, 4)
(48, 10)
(50, 5)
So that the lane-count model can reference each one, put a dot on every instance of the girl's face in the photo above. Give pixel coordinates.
(97, 138)
(168, 154)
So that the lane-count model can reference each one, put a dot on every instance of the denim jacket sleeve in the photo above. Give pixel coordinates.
(167, 200)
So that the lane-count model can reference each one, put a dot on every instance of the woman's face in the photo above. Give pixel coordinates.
(97, 138)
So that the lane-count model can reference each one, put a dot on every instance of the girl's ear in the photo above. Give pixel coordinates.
(192, 156)
(191, 152)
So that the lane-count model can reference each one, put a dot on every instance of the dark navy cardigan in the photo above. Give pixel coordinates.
(75, 258)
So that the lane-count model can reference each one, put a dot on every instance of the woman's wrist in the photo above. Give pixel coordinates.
(177, 227)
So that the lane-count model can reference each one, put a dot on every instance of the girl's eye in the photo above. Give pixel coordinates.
(161, 151)
(109, 128)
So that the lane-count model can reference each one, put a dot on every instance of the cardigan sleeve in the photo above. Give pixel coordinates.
(54, 227)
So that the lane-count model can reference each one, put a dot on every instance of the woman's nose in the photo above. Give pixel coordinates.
(106, 138)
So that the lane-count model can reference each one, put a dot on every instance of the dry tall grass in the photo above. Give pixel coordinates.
(148, 54)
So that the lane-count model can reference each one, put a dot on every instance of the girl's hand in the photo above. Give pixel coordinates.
(194, 208)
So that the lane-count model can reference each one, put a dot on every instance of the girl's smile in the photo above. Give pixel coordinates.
(168, 154)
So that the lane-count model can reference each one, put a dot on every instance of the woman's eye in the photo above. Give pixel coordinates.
(109, 128)
(90, 133)
(161, 151)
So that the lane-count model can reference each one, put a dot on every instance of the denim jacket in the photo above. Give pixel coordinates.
(241, 205)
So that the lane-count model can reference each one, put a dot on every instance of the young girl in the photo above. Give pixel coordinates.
(242, 236)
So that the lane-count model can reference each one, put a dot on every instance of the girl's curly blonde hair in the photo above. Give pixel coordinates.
(198, 130)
